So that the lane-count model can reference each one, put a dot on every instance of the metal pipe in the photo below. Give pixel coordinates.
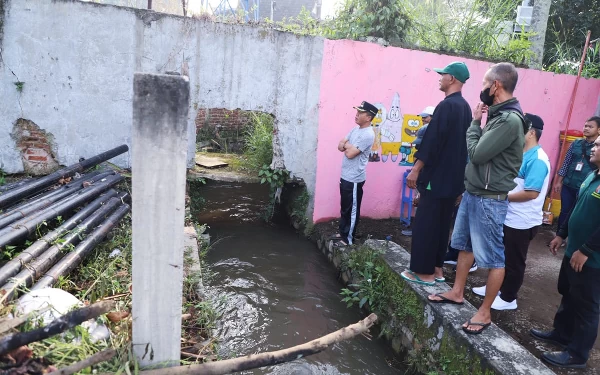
(14, 195)
(74, 258)
(41, 264)
(13, 266)
(19, 230)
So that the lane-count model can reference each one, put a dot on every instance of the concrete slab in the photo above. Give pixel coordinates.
(496, 349)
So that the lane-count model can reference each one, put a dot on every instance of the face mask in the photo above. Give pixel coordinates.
(486, 98)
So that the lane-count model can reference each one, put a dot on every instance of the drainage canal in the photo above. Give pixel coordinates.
(274, 290)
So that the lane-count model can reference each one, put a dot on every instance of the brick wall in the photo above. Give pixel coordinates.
(35, 147)
(222, 119)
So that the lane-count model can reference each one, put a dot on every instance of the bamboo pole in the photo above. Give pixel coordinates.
(19, 230)
(270, 358)
(75, 257)
(13, 266)
(18, 193)
(102, 356)
(13, 185)
(65, 322)
(563, 148)
(41, 264)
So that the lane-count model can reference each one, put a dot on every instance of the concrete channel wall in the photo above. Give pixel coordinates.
(431, 334)
(67, 66)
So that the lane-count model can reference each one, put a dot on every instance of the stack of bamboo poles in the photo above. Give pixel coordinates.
(89, 199)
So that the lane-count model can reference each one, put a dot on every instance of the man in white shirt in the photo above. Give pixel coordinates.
(524, 215)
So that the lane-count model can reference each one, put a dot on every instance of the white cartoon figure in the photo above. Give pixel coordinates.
(391, 131)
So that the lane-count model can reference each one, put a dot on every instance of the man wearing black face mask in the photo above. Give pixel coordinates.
(495, 156)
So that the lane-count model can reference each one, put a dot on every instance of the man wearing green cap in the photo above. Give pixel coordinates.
(438, 174)
(495, 156)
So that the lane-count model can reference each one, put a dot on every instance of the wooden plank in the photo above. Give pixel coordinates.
(208, 162)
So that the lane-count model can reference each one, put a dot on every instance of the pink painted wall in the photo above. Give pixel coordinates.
(356, 71)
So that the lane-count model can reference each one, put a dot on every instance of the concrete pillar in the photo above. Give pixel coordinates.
(159, 145)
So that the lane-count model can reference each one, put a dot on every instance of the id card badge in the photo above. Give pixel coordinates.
(579, 166)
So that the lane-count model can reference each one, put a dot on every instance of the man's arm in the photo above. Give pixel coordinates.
(592, 245)
(350, 150)
(535, 173)
(483, 148)
(341, 144)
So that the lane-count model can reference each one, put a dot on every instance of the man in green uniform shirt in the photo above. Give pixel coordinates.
(576, 321)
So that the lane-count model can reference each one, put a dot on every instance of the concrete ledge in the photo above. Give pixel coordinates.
(432, 333)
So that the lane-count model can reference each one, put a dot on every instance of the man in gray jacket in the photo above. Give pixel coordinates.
(495, 156)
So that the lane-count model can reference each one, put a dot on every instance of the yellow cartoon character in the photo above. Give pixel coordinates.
(376, 124)
(411, 126)
(391, 131)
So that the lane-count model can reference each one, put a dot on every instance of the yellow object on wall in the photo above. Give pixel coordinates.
(410, 126)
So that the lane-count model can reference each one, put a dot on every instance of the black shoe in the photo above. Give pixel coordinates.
(548, 336)
(562, 359)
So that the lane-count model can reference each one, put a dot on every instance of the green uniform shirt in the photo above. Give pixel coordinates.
(583, 229)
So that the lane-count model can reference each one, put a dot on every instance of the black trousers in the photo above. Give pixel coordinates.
(430, 231)
(516, 243)
(576, 320)
(351, 197)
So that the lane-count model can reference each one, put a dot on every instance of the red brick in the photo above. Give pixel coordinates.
(37, 158)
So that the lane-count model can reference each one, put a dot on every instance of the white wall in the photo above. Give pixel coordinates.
(77, 60)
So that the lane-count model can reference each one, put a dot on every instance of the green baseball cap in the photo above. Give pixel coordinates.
(456, 69)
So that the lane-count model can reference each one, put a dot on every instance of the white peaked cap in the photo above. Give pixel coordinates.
(428, 111)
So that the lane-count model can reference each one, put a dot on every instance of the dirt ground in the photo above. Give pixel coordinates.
(538, 298)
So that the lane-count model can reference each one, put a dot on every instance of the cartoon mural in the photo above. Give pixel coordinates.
(394, 134)
(411, 125)
(376, 124)
(391, 131)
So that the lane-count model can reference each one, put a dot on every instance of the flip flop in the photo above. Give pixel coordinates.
(440, 279)
(444, 300)
(334, 237)
(475, 332)
(416, 279)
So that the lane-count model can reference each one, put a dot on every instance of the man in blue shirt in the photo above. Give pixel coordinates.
(524, 215)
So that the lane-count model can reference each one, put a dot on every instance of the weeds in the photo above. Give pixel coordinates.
(259, 142)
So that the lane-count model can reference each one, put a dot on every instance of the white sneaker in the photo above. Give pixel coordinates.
(500, 304)
(473, 268)
(453, 262)
(480, 291)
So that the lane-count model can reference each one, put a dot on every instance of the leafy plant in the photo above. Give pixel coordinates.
(477, 28)
(19, 86)
(258, 150)
(566, 60)
(387, 19)
(274, 177)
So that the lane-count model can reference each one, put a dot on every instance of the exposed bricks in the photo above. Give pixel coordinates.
(35, 146)
(222, 119)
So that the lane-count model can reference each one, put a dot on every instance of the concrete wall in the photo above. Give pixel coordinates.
(77, 60)
(402, 79)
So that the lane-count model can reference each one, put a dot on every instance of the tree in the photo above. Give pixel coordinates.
(539, 24)
(567, 27)
(387, 19)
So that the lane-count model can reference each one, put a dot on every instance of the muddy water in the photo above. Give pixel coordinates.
(275, 290)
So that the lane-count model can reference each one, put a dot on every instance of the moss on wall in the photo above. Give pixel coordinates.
(403, 318)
